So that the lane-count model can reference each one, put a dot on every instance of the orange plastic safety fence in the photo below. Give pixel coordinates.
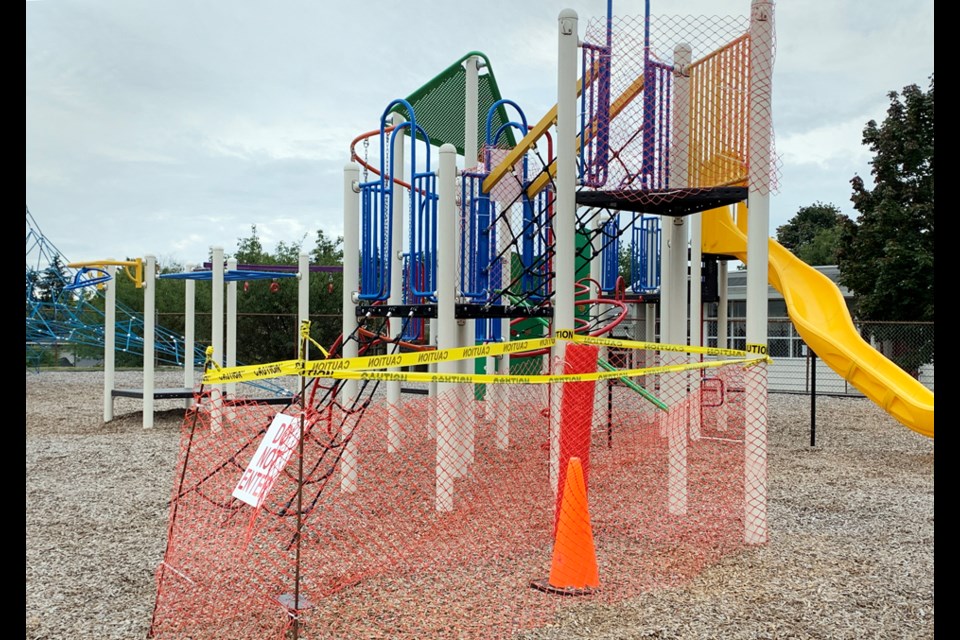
(433, 518)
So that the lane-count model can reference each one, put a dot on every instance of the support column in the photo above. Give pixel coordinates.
(303, 295)
(722, 339)
(758, 231)
(149, 336)
(231, 388)
(597, 240)
(467, 327)
(432, 386)
(398, 209)
(447, 337)
(216, 331)
(696, 316)
(109, 341)
(673, 328)
(565, 214)
(189, 333)
(348, 349)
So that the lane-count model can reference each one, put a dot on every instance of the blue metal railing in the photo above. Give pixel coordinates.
(645, 256)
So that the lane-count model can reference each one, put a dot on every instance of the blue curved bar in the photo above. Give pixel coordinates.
(81, 280)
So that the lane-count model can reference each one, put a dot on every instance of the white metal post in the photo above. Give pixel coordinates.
(232, 324)
(189, 332)
(503, 393)
(351, 288)
(216, 311)
(722, 306)
(597, 240)
(696, 314)
(149, 336)
(673, 327)
(216, 327)
(758, 230)
(722, 342)
(650, 325)
(432, 386)
(397, 212)
(565, 215)
(109, 342)
(303, 295)
(467, 327)
(447, 397)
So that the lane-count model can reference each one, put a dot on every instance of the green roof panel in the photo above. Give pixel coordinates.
(439, 106)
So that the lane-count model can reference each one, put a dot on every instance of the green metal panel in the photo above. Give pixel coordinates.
(582, 270)
(439, 106)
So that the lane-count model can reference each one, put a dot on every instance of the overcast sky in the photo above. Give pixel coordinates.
(166, 128)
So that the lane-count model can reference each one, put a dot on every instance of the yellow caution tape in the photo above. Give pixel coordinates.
(480, 378)
(326, 368)
(305, 335)
(358, 368)
(658, 346)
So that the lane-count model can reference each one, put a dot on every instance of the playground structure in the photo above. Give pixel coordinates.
(475, 472)
(76, 320)
(61, 309)
(496, 275)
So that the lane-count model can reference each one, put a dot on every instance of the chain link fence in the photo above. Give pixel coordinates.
(795, 368)
(908, 344)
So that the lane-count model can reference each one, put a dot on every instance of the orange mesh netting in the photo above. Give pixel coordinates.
(675, 129)
(349, 541)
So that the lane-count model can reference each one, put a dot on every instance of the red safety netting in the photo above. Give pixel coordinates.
(433, 517)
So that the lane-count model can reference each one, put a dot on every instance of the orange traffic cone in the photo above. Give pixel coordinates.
(574, 569)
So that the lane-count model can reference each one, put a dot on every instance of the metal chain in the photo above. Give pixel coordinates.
(366, 164)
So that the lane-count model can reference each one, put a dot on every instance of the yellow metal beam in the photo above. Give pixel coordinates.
(635, 88)
(137, 265)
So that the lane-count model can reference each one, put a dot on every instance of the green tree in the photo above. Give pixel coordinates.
(267, 308)
(326, 289)
(813, 234)
(886, 256)
(289, 252)
(250, 249)
(625, 261)
(51, 281)
(327, 251)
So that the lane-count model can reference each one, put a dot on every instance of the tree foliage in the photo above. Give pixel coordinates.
(48, 284)
(267, 308)
(886, 256)
(813, 234)
(327, 251)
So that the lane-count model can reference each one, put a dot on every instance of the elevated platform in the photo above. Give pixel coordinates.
(461, 311)
(663, 202)
(642, 298)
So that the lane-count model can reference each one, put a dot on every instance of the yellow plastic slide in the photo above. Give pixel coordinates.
(820, 315)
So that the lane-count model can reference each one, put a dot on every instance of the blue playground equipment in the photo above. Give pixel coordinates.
(505, 233)
(64, 307)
